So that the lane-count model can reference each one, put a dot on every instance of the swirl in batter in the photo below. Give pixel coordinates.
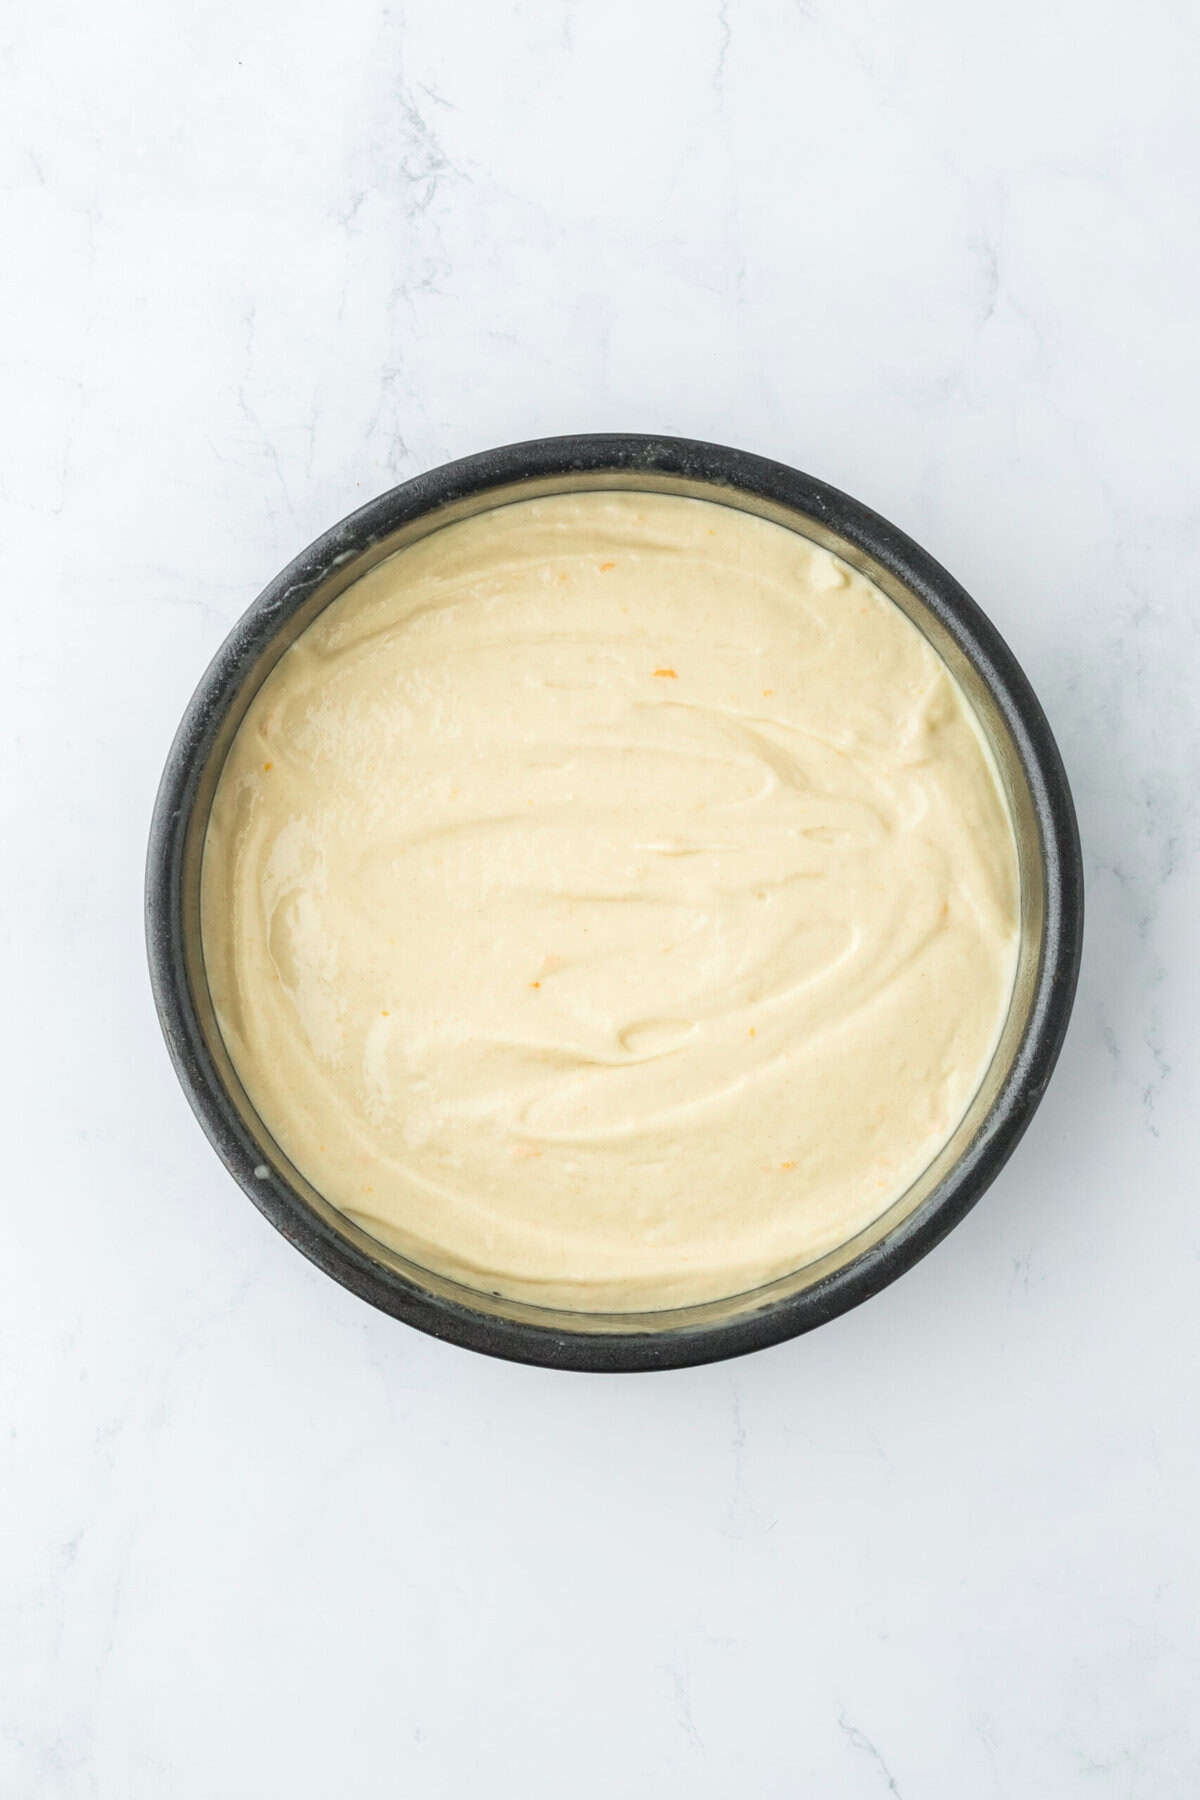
(609, 901)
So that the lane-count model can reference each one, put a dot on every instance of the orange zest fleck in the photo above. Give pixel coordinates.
(268, 765)
(670, 672)
(604, 566)
(384, 1013)
(767, 692)
(787, 1165)
(535, 984)
(752, 1031)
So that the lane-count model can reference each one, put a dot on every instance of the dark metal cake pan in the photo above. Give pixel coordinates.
(1051, 879)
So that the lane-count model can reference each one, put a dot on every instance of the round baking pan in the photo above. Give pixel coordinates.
(1048, 854)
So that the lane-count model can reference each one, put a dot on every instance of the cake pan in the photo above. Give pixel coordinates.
(1051, 881)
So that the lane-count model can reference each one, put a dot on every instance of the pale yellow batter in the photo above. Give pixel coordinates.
(609, 901)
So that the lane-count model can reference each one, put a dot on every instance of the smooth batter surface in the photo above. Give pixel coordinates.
(608, 901)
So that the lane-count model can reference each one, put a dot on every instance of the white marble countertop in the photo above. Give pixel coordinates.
(264, 261)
